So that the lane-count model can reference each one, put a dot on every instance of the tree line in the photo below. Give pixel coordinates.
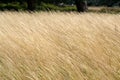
(81, 5)
(31, 4)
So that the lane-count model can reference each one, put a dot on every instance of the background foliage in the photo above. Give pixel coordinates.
(61, 5)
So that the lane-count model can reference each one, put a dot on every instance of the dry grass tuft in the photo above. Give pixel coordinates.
(59, 46)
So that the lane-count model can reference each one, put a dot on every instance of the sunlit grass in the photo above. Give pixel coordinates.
(59, 46)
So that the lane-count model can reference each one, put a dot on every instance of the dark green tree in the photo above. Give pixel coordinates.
(81, 5)
(31, 4)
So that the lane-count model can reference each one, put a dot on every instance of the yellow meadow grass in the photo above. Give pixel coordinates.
(59, 46)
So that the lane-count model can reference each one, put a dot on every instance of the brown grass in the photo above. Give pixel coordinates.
(59, 46)
(112, 10)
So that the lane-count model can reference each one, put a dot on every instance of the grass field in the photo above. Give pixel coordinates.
(59, 46)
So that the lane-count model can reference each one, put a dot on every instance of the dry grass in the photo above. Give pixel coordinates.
(96, 8)
(59, 46)
(110, 10)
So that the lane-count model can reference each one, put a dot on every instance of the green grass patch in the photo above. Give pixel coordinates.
(52, 7)
(13, 6)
